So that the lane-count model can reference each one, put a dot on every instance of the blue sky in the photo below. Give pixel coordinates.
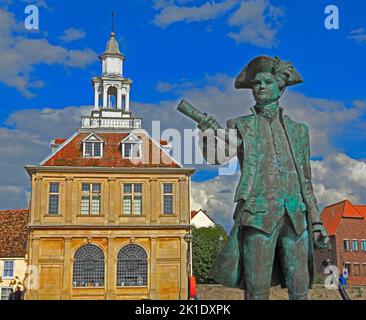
(184, 48)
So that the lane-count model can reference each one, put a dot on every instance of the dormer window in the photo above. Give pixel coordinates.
(93, 146)
(131, 147)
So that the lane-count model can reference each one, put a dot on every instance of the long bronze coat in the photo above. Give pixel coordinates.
(228, 268)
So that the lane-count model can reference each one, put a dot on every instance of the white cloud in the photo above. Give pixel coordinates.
(73, 34)
(20, 55)
(339, 177)
(358, 35)
(216, 196)
(258, 23)
(257, 20)
(171, 11)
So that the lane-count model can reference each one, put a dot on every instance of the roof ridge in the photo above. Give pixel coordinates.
(337, 203)
(14, 210)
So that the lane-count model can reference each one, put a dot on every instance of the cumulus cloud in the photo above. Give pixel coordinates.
(26, 141)
(339, 177)
(258, 22)
(20, 55)
(72, 34)
(171, 11)
(216, 196)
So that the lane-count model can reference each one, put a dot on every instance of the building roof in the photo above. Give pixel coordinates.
(112, 47)
(194, 213)
(13, 233)
(70, 154)
(333, 214)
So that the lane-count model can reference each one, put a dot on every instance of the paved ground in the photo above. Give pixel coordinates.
(217, 292)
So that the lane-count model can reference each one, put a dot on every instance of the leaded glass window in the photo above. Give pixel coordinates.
(354, 245)
(132, 198)
(53, 199)
(88, 267)
(363, 245)
(131, 150)
(8, 271)
(91, 198)
(5, 292)
(93, 149)
(168, 198)
(132, 267)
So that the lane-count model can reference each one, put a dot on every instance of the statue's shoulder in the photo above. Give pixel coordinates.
(302, 127)
(242, 121)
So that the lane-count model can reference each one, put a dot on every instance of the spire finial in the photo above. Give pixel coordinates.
(113, 23)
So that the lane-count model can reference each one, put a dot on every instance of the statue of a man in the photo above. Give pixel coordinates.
(277, 221)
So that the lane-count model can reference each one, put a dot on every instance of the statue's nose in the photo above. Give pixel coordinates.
(263, 84)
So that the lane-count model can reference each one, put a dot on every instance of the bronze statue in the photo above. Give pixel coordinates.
(277, 223)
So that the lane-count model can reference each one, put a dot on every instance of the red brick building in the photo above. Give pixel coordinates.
(346, 225)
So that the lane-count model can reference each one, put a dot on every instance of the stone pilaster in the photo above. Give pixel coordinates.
(154, 201)
(154, 295)
(111, 280)
(66, 281)
(38, 198)
(112, 201)
(69, 206)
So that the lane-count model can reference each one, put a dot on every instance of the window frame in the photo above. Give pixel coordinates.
(93, 143)
(172, 194)
(363, 267)
(1, 293)
(358, 265)
(75, 260)
(344, 245)
(139, 144)
(58, 198)
(132, 140)
(119, 267)
(93, 139)
(5, 269)
(133, 194)
(90, 195)
(363, 245)
(355, 241)
(350, 267)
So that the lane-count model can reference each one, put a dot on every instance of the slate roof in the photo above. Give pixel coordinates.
(13, 233)
(71, 153)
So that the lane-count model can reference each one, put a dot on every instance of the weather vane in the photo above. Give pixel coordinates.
(112, 21)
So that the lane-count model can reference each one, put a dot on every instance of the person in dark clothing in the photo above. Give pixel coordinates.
(18, 294)
(11, 295)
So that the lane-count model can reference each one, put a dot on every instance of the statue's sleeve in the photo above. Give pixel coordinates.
(220, 146)
(313, 206)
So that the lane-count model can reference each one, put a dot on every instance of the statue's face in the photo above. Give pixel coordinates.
(265, 88)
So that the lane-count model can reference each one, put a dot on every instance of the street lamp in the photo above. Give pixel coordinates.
(189, 239)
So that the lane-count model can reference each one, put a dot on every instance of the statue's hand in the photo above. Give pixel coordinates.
(209, 123)
(320, 236)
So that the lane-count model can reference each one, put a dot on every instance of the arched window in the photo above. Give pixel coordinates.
(88, 267)
(112, 98)
(132, 267)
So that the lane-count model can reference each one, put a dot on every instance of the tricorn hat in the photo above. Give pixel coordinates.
(283, 71)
